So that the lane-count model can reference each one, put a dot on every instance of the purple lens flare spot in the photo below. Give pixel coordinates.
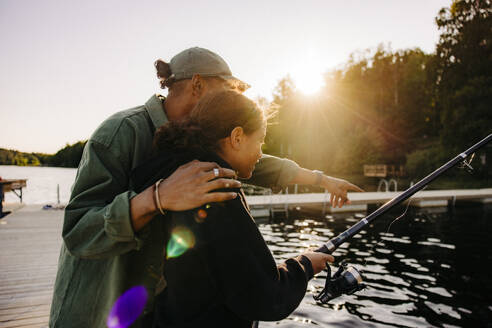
(127, 308)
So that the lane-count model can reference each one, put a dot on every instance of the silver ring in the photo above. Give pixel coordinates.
(216, 172)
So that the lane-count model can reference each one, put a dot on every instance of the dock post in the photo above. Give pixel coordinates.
(452, 202)
(58, 193)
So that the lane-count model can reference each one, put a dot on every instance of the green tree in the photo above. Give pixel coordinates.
(389, 95)
(69, 156)
(14, 157)
(377, 109)
(464, 79)
(284, 91)
(275, 140)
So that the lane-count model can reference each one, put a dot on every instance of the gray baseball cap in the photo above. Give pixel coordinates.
(204, 62)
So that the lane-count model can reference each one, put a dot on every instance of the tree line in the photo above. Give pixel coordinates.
(399, 107)
(68, 156)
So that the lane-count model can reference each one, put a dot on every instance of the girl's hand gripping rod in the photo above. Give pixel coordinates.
(348, 280)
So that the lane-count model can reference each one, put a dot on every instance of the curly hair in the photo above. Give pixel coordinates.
(213, 118)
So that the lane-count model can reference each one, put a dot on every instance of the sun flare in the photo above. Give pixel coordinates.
(308, 81)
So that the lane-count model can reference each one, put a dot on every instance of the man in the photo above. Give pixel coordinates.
(113, 237)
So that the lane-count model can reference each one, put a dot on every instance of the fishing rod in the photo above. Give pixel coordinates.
(348, 280)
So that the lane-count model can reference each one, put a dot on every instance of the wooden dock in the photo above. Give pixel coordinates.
(30, 240)
(13, 185)
(263, 205)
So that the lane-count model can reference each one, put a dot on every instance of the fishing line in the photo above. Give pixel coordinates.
(387, 231)
(348, 280)
(465, 165)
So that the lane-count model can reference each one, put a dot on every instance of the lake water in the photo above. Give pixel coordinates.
(430, 270)
(41, 183)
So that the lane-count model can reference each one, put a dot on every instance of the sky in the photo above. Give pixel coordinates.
(67, 65)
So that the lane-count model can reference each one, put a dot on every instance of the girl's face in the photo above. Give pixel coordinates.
(245, 151)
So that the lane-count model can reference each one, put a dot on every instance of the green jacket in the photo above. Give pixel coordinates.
(101, 256)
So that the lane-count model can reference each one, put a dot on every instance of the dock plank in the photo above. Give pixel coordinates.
(33, 321)
(30, 240)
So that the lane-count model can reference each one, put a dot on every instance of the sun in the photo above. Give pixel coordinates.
(308, 81)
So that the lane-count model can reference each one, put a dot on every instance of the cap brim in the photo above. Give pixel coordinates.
(241, 85)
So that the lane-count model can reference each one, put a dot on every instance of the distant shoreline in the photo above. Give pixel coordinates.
(69, 156)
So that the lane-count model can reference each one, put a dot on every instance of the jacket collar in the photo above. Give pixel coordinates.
(155, 109)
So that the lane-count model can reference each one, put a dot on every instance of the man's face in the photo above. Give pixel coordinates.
(181, 100)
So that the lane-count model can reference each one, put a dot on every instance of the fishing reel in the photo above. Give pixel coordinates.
(347, 280)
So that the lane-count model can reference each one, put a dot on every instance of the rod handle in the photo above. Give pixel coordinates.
(323, 249)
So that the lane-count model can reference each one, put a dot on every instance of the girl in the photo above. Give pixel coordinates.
(218, 268)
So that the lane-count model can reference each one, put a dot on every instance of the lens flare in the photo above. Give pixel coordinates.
(200, 215)
(127, 307)
(181, 240)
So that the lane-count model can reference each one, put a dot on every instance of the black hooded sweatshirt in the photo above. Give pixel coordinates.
(229, 277)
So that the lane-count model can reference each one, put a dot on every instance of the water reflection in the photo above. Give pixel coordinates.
(429, 270)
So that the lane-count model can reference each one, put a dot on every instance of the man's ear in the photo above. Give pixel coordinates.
(236, 137)
(197, 85)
